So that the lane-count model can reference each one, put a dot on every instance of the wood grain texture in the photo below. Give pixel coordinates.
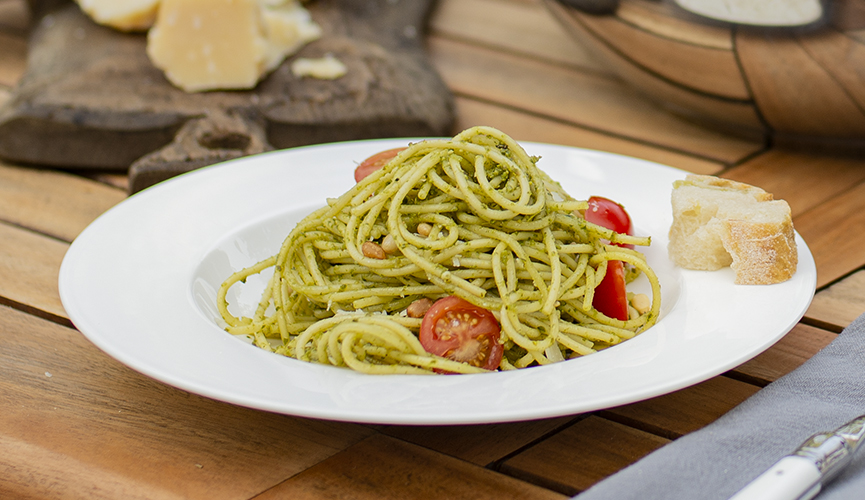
(590, 101)
(663, 19)
(32, 472)
(53, 203)
(383, 468)
(479, 444)
(803, 179)
(528, 127)
(77, 424)
(698, 68)
(736, 118)
(843, 59)
(838, 305)
(520, 27)
(29, 265)
(117, 180)
(775, 67)
(678, 413)
(789, 353)
(574, 459)
(834, 234)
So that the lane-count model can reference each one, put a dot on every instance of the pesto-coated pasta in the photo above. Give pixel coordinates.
(471, 216)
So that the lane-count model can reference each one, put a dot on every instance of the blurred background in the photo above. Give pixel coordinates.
(86, 119)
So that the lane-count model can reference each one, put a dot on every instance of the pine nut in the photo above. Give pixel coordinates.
(641, 303)
(418, 308)
(388, 244)
(372, 250)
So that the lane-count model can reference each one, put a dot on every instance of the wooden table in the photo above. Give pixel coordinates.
(75, 423)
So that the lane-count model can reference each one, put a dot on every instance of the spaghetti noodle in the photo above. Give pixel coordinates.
(498, 233)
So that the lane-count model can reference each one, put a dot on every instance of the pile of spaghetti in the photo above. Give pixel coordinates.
(499, 233)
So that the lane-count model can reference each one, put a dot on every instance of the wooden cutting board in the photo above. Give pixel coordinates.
(91, 98)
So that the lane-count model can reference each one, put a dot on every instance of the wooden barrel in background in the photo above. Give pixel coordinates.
(796, 86)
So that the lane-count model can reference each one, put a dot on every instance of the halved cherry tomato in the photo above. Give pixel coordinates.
(459, 330)
(611, 297)
(374, 163)
(609, 214)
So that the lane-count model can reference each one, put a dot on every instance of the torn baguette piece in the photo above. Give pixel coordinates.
(718, 223)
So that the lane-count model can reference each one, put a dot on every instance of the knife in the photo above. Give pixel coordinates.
(801, 475)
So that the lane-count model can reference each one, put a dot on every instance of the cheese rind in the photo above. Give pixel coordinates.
(124, 15)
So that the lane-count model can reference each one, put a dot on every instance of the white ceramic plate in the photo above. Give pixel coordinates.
(140, 284)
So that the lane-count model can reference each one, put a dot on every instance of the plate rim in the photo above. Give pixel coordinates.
(69, 292)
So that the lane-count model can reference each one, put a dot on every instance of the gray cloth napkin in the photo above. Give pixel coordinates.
(721, 458)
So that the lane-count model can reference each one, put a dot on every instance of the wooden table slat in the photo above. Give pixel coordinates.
(529, 127)
(605, 447)
(833, 232)
(599, 103)
(53, 203)
(383, 468)
(789, 353)
(29, 266)
(118, 180)
(676, 414)
(482, 445)
(838, 305)
(115, 432)
(804, 179)
(525, 28)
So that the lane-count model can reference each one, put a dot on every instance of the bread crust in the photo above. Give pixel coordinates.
(719, 222)
(763, 253)
(707, 181)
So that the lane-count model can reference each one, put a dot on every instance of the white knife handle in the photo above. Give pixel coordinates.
(792, 478)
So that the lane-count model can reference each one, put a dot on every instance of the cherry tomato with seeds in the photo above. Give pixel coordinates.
(609, 214)
(611, 297)
(374, 163)
(456, 329)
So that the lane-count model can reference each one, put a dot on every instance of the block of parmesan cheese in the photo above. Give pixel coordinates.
(287, 27)
(323, 68)
(226, 44)
(124, 15)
